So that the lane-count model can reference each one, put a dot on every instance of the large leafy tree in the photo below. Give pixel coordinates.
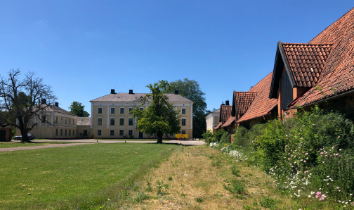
(78, 109)
(21, 101)
(191, 90)
(159, 117)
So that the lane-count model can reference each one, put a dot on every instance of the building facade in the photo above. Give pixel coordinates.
(111, 117)
(54, 123)
(212, 120)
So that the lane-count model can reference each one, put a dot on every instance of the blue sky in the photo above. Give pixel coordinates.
(85, 48)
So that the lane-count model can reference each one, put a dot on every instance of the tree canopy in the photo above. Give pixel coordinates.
(78, 109)
(21, 101)
(159, 117)
(190, 89)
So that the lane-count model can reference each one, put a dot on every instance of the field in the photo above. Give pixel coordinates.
(72, 176)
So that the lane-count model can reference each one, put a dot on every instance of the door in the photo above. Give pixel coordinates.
(141, 135)
(2, 135)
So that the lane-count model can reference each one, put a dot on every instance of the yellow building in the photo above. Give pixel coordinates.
(84, 127)
(54, 123)
(110, 117)
(212, 120)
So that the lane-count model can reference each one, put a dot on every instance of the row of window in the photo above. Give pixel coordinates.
(130, 121)
(121, 110)
(121, 132)
(44, 119)
(65, 131)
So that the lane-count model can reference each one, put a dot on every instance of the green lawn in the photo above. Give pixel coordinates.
(32, 144)
(42, 178)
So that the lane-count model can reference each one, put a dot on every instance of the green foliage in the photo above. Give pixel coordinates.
(190, 89)
(78, 109)
(268, 202)
(225, 138)
(210, 137)
(159, 117)
(235, 171)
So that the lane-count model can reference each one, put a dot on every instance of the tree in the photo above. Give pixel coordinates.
(22, 101)
(159, 117)
(78, 109)
(191, 90)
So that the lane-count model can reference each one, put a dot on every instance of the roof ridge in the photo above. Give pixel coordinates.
(307, 43)
(259, 82)
(332, 24)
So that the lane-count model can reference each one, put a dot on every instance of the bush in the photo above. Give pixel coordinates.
(214, 137)
(225, 138)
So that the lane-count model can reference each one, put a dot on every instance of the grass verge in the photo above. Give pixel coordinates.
(32, 144)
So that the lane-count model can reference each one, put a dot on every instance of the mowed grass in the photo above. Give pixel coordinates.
(32, 179)
(32, 144)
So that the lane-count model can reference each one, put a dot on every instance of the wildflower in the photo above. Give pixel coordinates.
(340, 149)
(338, 136)
(318, 194)
(306, 153)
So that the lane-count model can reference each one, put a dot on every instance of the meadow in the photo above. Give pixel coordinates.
(80, 177)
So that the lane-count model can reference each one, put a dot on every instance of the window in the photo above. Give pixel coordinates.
(61, 120)
(66, 120)
(99, 110)
(69, 132)
(111, 132)
(99, 132)
(112, 121)
(85, 132)
(113, 110)
(99, 121)
(130, 132)
(66, 132)
(61, 132)
(121, 121)
(121, 110)
(56, 120)
(141, 108)
(130, 121)
(130, 109)
(56, 132)
(183, 110)
(171, 134)
(73, 122)
(43, 119)
(69, 122)
(73, 133)
(183, 122)
(183, 131)
(121, 132)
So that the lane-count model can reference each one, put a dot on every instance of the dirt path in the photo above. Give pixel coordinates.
(40, 147)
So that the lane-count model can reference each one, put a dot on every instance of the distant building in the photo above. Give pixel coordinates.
(212, 120)
(111, 118)
(56, 123)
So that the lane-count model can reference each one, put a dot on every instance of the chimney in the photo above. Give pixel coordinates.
(56, 104)
(227, 102)
(131, 91)
(44, 101)
(176, 92)
(112, 91)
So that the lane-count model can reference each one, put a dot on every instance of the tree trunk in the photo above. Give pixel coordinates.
(24, 136)
(159, 138)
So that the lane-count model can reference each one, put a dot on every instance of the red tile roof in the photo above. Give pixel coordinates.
(225, 113)
(262, 104)
(306, 61)
(228, 122)
(243, 101)
(337, 76)
(218, 126)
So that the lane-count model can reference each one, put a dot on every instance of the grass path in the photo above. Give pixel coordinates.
(203, 178)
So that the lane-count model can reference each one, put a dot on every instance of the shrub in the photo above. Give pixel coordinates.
(225, 138)
(240, 136)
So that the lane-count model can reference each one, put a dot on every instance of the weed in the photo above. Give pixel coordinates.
(160, 188)
(136, 187)
(183, 195)
(140, 196)
(149, 187)
(216, 163)
(235, 171)
(199, 199)
(170, 178)
(268, 202)
(235, 187)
